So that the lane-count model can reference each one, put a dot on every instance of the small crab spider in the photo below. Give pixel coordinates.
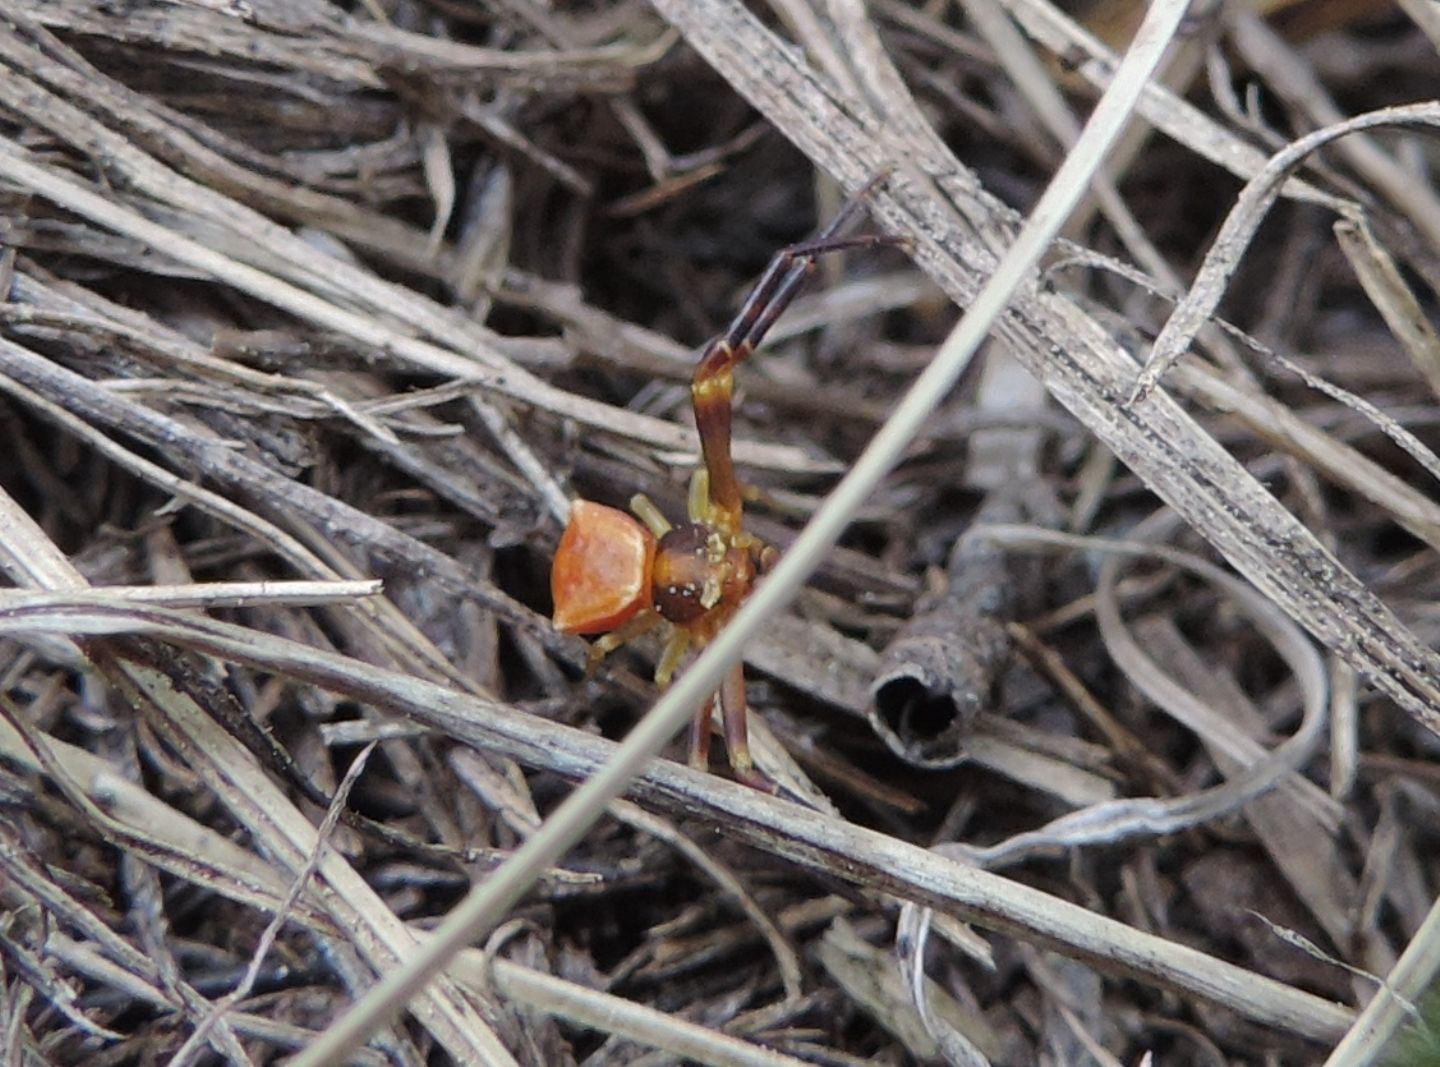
(622, 578)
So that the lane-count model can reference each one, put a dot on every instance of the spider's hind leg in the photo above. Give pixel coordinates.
(700, 730)
(737, 742)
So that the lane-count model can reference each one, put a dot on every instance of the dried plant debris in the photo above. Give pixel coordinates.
(318, 315)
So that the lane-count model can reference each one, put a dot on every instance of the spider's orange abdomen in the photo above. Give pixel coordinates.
(601, 575)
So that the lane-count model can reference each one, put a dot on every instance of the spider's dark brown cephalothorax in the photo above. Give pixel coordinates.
(620, 578)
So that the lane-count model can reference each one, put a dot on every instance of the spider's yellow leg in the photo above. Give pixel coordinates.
(698, 506)
(602, 646)
(645, 510)
(675, 649)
